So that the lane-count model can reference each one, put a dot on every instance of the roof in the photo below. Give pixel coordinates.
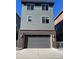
(37, 1)
(58, 15)
(59, 18)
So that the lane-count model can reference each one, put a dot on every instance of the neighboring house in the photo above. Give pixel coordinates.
(17, 25)
(58, 22)
(37, 29)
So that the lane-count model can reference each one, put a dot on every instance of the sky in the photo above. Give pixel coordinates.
(58, 6)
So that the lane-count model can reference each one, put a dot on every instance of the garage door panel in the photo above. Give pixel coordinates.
(38, 42)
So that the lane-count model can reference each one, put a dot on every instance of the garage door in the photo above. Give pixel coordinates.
(38, 41)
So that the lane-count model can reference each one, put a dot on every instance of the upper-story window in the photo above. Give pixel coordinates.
(29, 18)
(30, 6)
(45, 7)
(45, 19)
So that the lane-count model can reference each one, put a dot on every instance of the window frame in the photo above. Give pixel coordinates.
(28, 18)
(47, 18)
(46, 9)
(30, 6)
(45, 22)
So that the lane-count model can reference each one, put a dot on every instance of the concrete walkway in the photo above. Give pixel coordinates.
(39, 54)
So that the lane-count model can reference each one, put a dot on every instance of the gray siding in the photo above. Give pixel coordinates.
(36, 23)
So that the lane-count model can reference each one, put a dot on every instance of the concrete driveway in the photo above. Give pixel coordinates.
(47, 53)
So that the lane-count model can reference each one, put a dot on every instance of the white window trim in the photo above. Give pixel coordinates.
(30, 5)
(41, 19)
(49, 20)
(28, 16)
(45, 4)
(45, 19)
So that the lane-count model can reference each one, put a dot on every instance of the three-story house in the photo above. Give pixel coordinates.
(37, 27)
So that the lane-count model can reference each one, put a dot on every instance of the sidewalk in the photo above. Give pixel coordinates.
(39, 54)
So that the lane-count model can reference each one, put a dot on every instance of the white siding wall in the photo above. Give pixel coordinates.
(36, 23)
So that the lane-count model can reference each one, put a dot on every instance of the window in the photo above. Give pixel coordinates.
(30, 6)
(45, 19)
(29, 18)
(45, 7)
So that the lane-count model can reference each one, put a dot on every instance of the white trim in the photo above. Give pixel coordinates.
(51, 41)
(31, 18)
(30, 5)
(45, 19)
(45, 4)
(53, 37)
